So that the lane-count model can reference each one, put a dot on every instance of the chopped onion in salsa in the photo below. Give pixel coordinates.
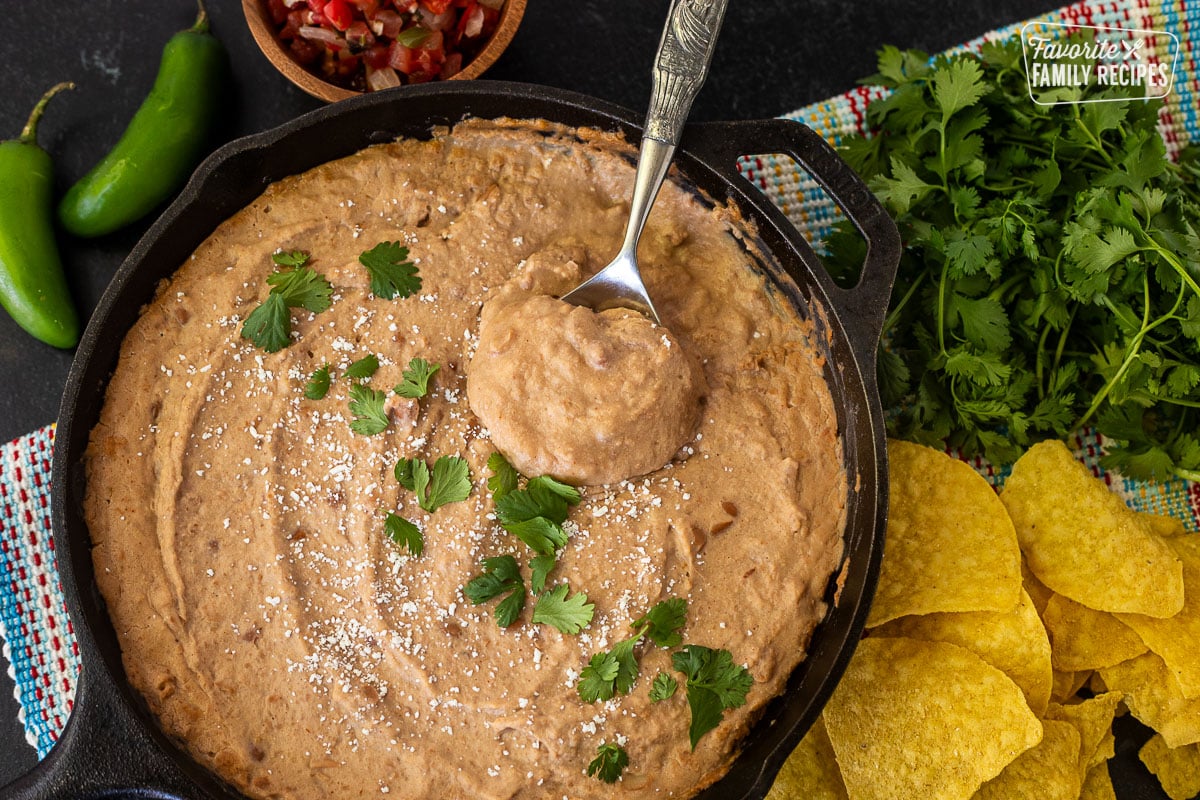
(366, 45)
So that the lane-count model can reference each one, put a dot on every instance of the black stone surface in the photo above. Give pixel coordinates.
(774, 56)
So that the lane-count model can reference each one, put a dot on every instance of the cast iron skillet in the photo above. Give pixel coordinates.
(112, 745)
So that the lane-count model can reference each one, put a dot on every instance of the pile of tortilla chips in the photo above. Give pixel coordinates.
(1007, 633)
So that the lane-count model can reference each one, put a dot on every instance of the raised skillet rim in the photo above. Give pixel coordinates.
(103, 678)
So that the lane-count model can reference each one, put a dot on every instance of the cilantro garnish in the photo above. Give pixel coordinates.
(391, 273)
(290, 258)
(606, 674)
(366, 404)
(663, 622)
(501, 575)
(663, 687)
(1048, 280)
(405, 533)
(540, 566)
(713, 683)
(610, 761)
(412, 37)
(504, 476)
(569, 614)
(365, 367)
(416, 378)
(318, 384)
(269, 325)
(449, 482)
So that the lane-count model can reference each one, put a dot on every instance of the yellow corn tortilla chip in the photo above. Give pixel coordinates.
(1177, 639)
(1097, 785)
(1177, 769)
(1093, 718)
(950, 544)
(1013, 642)
(1163, 524)
(1047, 771)
(811, 771)
(1082, 541)
(1152, 694)
(1084, 639)
(924, 719)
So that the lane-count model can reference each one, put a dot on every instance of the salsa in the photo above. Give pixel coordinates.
(366, 45)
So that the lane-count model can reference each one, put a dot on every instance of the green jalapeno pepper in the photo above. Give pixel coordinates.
(33, 288)
(163, 143)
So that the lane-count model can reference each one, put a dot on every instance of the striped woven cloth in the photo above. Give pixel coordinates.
(38, 641)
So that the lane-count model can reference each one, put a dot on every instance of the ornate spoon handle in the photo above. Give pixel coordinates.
(684, 53)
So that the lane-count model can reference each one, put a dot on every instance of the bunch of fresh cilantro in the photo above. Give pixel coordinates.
(1051, 270)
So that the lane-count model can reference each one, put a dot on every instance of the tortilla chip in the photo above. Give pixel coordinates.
(1177, 639)
(1046, 771)
(1093, 718)
(811, 771)
(1177, 769)
(924, 719)
(1084, 639)
(1152, 694)
(1013, 642)
(1097, 785)
(950, 544)
(1163, 524)
(1082, 541)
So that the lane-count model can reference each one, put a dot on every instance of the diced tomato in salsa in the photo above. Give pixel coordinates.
(395, 41)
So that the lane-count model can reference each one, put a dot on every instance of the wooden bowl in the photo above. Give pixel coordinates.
(263, 31)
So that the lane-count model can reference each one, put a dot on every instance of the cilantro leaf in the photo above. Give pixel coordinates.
(543, 536)
(501, 575)
(610, 761)
(450, 481)
(291, 258)
(958, 85)
(663, 622)
(365, 367)
(318, 383)
(302, 287)
(504, 476)
(416, 378)
(269, 325)
(663, 687)
(405, 533)
(598, 679)
(713, 684)
(366, 405)
(391, 273)
(568, 614)
(541, 566)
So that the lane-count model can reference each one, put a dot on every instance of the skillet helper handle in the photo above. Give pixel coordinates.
(863, 306)
(102, 753)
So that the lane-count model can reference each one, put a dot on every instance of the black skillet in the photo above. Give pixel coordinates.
(112, 745)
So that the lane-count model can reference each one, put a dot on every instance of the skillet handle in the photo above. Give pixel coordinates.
(863, 307)
(103, 753)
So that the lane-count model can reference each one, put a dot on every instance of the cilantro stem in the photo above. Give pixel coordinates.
(894, 316)
(941, 310)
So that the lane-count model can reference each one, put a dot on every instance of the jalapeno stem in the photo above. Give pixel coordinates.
(29, 132)
(201, 23)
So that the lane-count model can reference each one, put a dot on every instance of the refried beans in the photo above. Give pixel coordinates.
(292, 647)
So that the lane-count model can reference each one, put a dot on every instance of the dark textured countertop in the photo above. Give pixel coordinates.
(774, 56)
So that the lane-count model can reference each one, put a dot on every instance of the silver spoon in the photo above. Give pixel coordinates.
(684, 53)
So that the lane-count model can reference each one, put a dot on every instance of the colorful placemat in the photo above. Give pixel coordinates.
(38, 642)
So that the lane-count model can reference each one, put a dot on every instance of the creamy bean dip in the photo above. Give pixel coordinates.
(292, 647)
